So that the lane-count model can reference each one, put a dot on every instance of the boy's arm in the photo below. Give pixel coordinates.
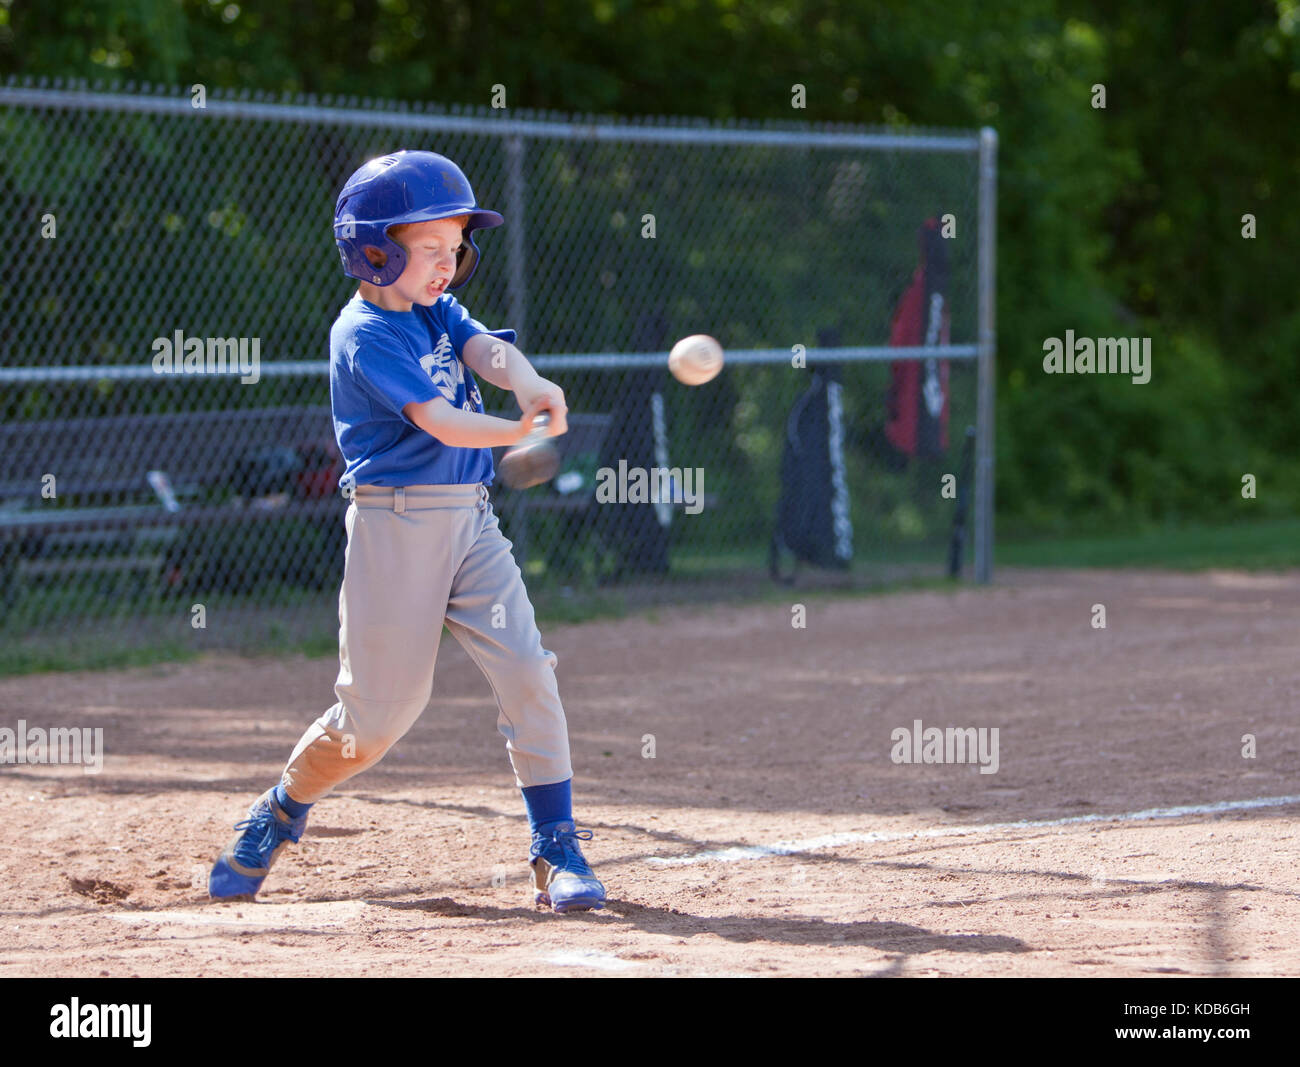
(468, 429)
(502, 364)
(498, 362)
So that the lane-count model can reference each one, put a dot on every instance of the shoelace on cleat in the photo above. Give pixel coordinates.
(571, 857)
(274, 831)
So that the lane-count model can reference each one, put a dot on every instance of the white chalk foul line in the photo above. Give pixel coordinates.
(813, 844)
(601, 961)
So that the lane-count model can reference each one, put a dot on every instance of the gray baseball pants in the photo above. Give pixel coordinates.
(418, 557)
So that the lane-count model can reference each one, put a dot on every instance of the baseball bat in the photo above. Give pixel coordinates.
(534, 460)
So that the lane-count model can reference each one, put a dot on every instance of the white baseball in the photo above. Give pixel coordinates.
(696, 359)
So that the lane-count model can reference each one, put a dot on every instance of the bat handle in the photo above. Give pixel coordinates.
(541, 423)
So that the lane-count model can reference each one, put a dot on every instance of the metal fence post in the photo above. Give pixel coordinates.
(517, 295)
(986, 386)
(517, 283)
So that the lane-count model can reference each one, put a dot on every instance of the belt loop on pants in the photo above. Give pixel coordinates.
(399, 500)
(482, 496)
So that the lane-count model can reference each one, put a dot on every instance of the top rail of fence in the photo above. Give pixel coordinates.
(513, 122)
(606, 361)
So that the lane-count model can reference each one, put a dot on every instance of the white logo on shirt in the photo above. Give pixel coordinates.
(449, 375)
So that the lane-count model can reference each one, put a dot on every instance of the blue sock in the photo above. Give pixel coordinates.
(548, 804)
(290, 805)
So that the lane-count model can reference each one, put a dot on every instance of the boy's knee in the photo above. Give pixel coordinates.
(539, 667)
(363, 738)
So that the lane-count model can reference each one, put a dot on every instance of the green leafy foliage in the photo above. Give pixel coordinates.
(1122, 221)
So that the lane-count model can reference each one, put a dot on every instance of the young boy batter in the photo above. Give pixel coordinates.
(424, 546)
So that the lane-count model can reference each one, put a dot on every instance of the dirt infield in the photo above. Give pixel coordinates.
(1094, 849)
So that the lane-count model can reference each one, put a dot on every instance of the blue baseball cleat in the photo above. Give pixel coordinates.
(564, 880)
(246, 861)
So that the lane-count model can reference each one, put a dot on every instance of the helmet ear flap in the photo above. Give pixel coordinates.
(395, 263)
(353, 238)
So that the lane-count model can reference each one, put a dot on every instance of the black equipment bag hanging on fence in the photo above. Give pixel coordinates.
(812, 515)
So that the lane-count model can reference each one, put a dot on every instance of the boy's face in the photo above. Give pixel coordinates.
(431, 249)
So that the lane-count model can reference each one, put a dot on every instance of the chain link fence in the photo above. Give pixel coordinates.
(194, 500)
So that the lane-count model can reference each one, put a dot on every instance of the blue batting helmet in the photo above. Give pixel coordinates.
(405, 186)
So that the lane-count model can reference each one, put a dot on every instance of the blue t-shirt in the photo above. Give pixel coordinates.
(380, 361)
